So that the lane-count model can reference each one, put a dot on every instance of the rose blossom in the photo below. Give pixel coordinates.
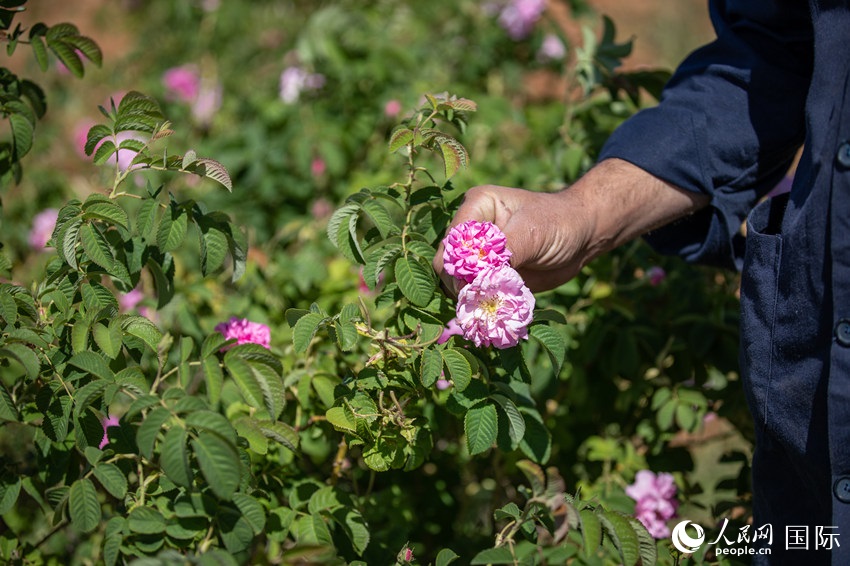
(474, 246)
(106, 423)
(42, 228)
(656, 501)
(182, 83)
(519, 16)
(495, 308)
(552, 48)
(451, 329)
(245, 331)
(392, 108)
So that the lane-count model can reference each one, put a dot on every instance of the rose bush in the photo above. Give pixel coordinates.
(194, 372)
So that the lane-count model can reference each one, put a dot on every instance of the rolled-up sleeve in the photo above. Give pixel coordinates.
(728, 125)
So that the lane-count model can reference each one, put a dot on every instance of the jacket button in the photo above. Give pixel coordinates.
(842, 489)
(843, 155)
(842, 332)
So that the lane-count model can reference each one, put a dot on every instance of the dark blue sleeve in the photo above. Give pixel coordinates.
(728, 125)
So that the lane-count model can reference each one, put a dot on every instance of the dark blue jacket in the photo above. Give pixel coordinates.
(728, 125)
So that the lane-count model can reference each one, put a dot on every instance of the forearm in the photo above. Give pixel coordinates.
(619, 201)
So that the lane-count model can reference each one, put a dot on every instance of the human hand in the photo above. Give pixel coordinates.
(546, 233)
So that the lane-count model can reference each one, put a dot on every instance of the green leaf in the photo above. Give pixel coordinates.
(281, 433)
(591, 532)
(108, 338)
(304, 330)
(112, 479)
(92, 363)
(40, 52)
(148, 430)
(553, 341)
(219, 462)
(107, 211)
(214, 246)
(144, 329)
(87, 47)
(400, 138)
(341, 217)
(481, 425)
(212, 422)
(146, 218)
(244, 376)
(341, 418)
(514, 421)
(10, 488)
(550, 315)
(454, 154)
(146, 521)
(311, 530)
(69, 236)
(498, 555)
(84, 396)
(458, 368)
(8, 307)
(380, 217)
(537, 442)
(174, 456)
(445, 557)
(96, 247)
(648, 548)
(415, 280)
(355, 528)
(172, 229)
(252, 512)
(247, 428)
(103, 152)
(213, 378)
(622, 535)
(430, 367)
(24, 356)
(83, 506)
(22, 134)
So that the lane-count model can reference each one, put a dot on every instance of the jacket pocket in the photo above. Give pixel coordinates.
(759, 293)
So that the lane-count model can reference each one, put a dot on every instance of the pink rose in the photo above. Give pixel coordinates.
(318, 167)
(552, 48)
(656, 501)
(472, 247)
(182, 83)
(392, 108)
(519, 16)
(452, 329)
(42, 228)
(495, 308)
(245, 331)
(128, 301)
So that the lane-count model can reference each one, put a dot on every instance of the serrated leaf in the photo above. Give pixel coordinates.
(96, 247)
(379, 216)
(144, 329)
(481, 425)
(246, 380)
(214, 246)
(84, 506)
(458, 368)
(212, 422)
(174, 456)
(553, 342)
(498, 555)
(281, 433)
(112, 479)
(103, 152)
(84, 396)
(445, 557)
(10, 488)
(172, 229)
(339, 218)
(514, 422)
(108, 338)
(85, 46)
(8, 307)
(67, 54)
(69, 236)
(24, 356)
(341, 418)
(591, 531)
(622, 534)
(22, 134)
(213, 378)
(92, 363)
(146, 521)
(219, 462)
(40, 51)
(95, 134)
(537, 441)
(106, 211)
(648, 548)
(214, 170)
(304, 331)
(430, 367)
(415, 281)
(149, 429)
(355, 528)
(400, 138)
(252, 511)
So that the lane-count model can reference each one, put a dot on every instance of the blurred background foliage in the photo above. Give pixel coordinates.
(297, 99)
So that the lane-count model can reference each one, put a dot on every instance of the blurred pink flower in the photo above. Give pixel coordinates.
(656, 275)
(392, 108)
(452, 329)
(42, 228)
(245, 331)
(318, 167)
(321, 208)
(473, 246)
(128, 301)
(182, 83)
(62, 69)
(361, 282)
(295, 80)
(207, 103)
(552, 48)
(443, 384)
(519, 16)
(496, 308)
(106, 423)
(656, 501)
(81, 132)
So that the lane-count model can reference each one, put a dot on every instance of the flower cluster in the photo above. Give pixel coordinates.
(495, 307)
(244, 331)
(656, 501)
